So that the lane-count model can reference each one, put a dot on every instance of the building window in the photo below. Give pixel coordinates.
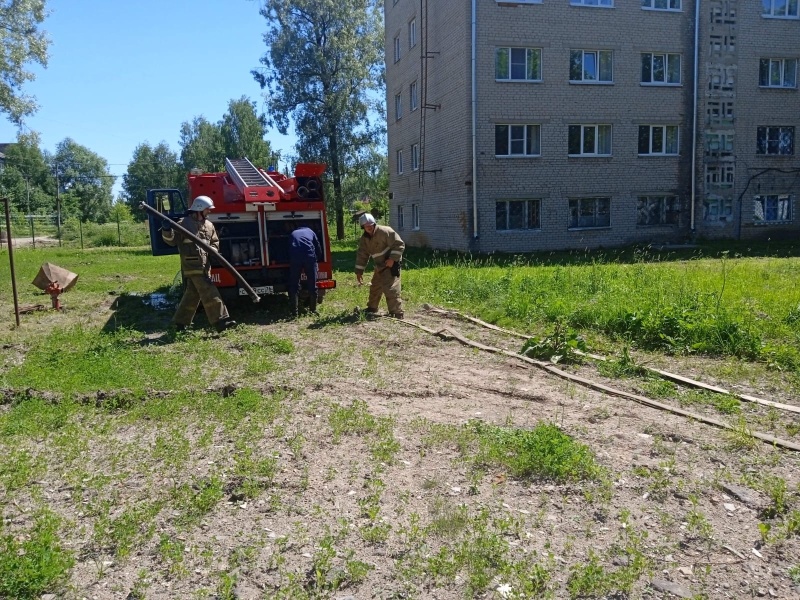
(398, 106)
(399, 162)
(772, 209)
(777, 72)
(657, 210)
(717, 209)
(590, 66)
(518, 64)
(401, 217)
(517, 140)
(589, 140)
(415, 157)
(397, 48)
(412, 33)
(518, 214)
(658, 139)
(775, 140)
(603, 3)
(661, 69)
(415, 216)
(662, 4)
(720, 175)
(783, 9)
(412, 97)
(589, 212)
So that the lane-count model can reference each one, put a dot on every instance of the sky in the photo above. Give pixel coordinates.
(124, 73)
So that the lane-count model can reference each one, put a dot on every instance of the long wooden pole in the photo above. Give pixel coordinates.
(11, 261)
(211, 250)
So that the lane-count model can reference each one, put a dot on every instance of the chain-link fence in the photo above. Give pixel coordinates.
(35, 231)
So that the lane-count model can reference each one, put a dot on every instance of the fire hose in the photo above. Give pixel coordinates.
(210, 249)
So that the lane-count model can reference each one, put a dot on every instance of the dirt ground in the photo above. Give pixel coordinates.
(419, 379)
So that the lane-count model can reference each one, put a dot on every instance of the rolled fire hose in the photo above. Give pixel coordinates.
(211, 250)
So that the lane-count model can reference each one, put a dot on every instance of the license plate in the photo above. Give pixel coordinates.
(261, 289)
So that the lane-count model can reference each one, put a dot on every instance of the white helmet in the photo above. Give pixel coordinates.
(366, 219)
(201, 203)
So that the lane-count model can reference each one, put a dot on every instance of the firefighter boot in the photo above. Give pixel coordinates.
(312, 304)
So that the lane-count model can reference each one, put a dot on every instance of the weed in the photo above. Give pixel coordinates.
(558, 346)
(740, 436)
(624, 366)
(171, 552)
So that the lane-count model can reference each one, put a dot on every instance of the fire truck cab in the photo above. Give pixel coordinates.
(255, 212)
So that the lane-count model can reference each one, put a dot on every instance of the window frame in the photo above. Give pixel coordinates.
(763, 220)
(526, 140)
(582, 141)
(665, 130)
(397, 49)
(529, 58)
(412, 33)
(530, 222)
(782, 73)
(787, 4)
(398, 106)
(593, 3)
(580, 203)
(762, 147)
(666, 58)
(650, 5)
(412, 96)
(668, 208)
(415, 217)
(399, 161)
(598, 60)
(415, 157)
(401, 217)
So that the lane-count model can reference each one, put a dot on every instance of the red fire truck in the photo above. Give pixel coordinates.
(255, 211)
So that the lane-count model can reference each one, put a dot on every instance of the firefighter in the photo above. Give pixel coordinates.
(384, 246)
(196, 267)
(304, 253)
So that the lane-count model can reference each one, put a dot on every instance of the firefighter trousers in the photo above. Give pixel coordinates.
(200, 289)
(385, 284)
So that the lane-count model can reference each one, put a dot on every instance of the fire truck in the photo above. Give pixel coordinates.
(255, 212)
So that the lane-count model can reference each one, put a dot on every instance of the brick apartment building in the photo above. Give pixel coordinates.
(551, 124)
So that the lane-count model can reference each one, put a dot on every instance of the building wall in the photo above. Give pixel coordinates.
(728, 74)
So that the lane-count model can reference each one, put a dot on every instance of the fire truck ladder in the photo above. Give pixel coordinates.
(255, 185)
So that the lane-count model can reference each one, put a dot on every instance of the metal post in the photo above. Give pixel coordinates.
(58, 207)
(80, 230)
(11, 261)
(119, 233)
(30, 217)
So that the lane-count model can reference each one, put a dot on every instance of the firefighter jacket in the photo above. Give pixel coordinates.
(194, 259)
(384, 243)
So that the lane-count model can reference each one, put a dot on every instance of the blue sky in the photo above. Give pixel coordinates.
(124, 73)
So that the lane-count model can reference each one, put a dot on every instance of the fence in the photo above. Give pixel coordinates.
(35, 231)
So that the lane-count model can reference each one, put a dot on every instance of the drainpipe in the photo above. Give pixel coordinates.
(694, 109)
(474, 122)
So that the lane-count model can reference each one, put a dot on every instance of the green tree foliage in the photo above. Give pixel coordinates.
(21, 43)
(366, 186)
(323, 69)
(27, 179)
(151, 168)
(202, 146)
(85, 180)
(243, 132)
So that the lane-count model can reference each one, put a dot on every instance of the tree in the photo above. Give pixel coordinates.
(151, 168)
(21, 42)
(202, 146)
(26, 178)
(324, 59)
(86, 183)
(243, 132)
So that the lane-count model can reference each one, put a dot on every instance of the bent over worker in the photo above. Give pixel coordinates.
(196, 267)
(385, 247)
(304, 253)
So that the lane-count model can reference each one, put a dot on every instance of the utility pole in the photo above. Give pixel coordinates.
(58, 206)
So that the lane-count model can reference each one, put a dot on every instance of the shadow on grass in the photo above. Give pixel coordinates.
(343, 318)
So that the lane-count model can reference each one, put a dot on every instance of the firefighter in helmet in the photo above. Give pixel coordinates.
(196, 266)
(384, 246)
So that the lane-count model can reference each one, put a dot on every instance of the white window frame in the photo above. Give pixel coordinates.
(532, 60)
(415, 157)
(771, 130)
(398, 106)
(399, 161)
(781, 205)
(667, 58)
(791, 10)
(597, 56)
(412, 96)
(525, 138)
(657, 210)
(596, 132)
(667, 5)
(593, 3)
(415, 217)
(507, 3)
(401, 217)
(530, 216)
(717, 208)
(412, 33)
(662, 133)
(784, 68)
(599, 207)
(397, 50)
